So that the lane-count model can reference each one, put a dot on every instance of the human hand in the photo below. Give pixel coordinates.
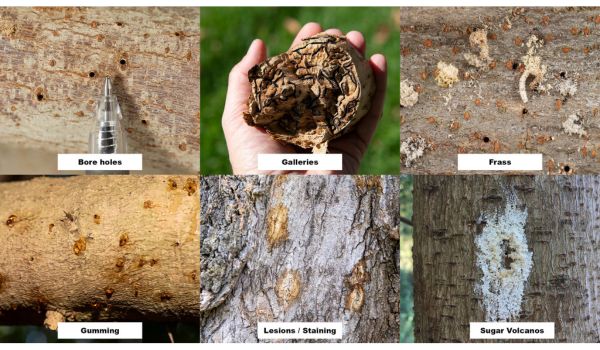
(245, 142)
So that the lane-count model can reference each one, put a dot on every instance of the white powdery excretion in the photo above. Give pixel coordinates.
(501, 243)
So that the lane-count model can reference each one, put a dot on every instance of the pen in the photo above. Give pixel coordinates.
(107, 136)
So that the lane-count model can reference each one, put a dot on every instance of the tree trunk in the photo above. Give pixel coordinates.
(483, 112)
(52, 68)
(547, 241)
(99, 248)
(299, 249)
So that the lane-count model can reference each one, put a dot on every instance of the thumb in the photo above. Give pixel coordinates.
(239, 87)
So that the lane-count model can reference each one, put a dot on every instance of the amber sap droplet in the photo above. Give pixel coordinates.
(11, 221)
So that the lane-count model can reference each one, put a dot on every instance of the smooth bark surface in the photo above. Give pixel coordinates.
(483, 111)
(562, 234)
(100, 248)
(52, 65)
(299, 249)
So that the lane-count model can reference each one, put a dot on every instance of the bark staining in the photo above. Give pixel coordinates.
(79, 246)
(412, 149)
(478, 39)
(311, 94)
(277, 225)
(171, 184)
(356, 299)
(123, 239)
(120, 264)
(574, 125)
(504, 260)
(533, 67)
(191, 186)
(288, 286)
(408, 96)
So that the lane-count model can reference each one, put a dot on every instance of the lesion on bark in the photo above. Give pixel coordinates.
(333, 259)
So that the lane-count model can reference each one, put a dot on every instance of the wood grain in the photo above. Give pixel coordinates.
(52, 61)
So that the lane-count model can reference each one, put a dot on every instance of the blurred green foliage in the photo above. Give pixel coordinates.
(226, 34)
(406, 262)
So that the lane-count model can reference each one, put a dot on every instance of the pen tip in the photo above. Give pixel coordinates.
(107, 86)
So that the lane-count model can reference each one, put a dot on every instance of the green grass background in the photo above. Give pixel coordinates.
(406, 262)
(226, 34)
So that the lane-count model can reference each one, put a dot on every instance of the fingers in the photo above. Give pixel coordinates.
(308, 30)
(379, 66)
(239, 87)
(357, 40)
(334, 31)
(257, 52)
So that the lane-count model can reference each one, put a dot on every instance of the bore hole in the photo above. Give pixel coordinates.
(486, 139)
(123, 61)
(525, 111)
(120, 24)
(506, 250)
(567, 168)
(515, 65)
(92, 74)
(144, 121)
(563, 74)
(40, 97)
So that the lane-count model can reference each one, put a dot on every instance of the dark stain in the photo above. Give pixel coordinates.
(120, 264)
(165, 296)
(123, 239)
(191, 186)
(10, 222)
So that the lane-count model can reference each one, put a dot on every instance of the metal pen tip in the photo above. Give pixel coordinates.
(107, 86)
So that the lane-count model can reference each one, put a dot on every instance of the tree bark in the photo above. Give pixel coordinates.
(51, 73)
(99, 248)
(561, 231)
(299, 249)
(483, 112)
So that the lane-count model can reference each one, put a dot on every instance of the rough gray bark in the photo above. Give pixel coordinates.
(483, 112)
(99, 248)
(301, 249)
(562, 234)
